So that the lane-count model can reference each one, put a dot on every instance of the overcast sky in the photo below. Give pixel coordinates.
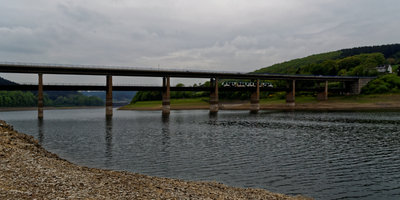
(223, 35)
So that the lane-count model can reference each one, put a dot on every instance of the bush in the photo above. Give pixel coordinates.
(389, 83)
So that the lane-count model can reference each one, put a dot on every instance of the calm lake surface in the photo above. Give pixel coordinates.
(325, 155)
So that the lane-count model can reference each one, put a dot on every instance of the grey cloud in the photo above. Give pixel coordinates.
(224, 35)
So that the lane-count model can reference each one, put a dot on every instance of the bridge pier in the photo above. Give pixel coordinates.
(109, 96)
(323, 96)
(166, 103)
(354, 87)
(40, 97)
(214, 95)
(291, 93)
(255, 99)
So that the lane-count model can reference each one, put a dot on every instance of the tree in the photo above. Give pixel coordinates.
(349, 63)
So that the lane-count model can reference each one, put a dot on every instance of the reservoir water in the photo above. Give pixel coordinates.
(324, 155)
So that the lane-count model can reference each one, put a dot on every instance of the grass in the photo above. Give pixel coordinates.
(299, 99)
(144, 104)
(174, 102)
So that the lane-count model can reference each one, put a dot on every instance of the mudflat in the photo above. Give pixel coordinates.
(28, 171)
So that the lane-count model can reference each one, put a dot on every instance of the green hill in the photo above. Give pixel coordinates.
(291, 67)
(6, 82)
(391, 54)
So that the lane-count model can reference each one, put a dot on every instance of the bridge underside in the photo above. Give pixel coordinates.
(147, 88)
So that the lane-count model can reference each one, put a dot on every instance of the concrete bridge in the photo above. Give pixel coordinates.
(352, 85)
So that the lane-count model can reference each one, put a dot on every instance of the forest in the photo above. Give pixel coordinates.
(390, 54)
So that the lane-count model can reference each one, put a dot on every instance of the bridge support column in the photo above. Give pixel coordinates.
(214, 95)
(354, 87)
(166, 103)
(255, 99)
(323, 96)
(40, 97)
(290, 95)
(109, 97)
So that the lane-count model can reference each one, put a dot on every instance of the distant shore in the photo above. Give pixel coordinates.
(370, 102)
(4, 109)
(28, 171)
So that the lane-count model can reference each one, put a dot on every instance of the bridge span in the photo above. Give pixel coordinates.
(352, 84)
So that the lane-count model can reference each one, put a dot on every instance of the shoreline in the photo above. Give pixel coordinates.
(384, 106)
(379, 106)
(374, 102)
(28, 171)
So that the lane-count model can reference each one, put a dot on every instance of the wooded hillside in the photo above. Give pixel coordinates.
(362, 58)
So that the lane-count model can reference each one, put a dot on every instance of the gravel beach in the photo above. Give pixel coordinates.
(28, 171)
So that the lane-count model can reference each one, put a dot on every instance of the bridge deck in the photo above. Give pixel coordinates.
(99, 70)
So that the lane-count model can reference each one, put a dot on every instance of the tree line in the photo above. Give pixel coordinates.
(389, 51)
(157, 95)
(29, 99)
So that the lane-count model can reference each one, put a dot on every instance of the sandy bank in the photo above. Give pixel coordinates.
(28, 171)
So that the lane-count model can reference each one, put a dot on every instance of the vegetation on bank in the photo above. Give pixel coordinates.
(389, 83)
(29, 99)
(17, 98)
(50, 98)
(157, 95)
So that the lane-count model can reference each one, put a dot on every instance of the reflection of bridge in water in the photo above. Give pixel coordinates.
(352, 85)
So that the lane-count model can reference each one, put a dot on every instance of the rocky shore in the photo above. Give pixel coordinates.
(28, 171)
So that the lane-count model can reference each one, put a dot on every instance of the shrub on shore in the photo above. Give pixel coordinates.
(389, 83)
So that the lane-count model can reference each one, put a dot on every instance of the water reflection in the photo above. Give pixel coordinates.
(213, 115)
(165, 119)
(40, 130)
(165, 130)
(109, 137)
